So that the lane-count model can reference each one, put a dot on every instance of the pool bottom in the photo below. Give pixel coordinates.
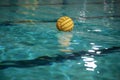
(47, 60)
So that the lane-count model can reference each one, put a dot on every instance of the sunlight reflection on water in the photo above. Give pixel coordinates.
(90, 63)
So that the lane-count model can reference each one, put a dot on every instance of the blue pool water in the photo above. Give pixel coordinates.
(28, 31)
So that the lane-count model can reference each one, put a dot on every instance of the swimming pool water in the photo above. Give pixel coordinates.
(28, 30)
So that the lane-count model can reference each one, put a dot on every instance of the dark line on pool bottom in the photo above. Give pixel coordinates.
(56, 4)
(12, 23)
(47, 60)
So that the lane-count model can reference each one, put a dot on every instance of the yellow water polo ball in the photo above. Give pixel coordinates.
(65, 24)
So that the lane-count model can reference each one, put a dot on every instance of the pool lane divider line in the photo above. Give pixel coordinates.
(48, 60)
(56, 4)
(7, 23)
